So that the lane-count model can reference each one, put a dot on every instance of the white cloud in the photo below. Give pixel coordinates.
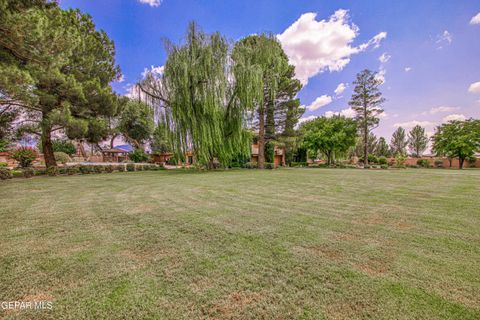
(151, 3)
(349, 113)
(444, 38)
(319, 102)
(442, 109)
(474, 87)
(156, 71)
(452, 117)
(411, 124)
(340, 88)
(301, 120)
(407, 69)
(316, 46)
(384, 57)
(475, 19)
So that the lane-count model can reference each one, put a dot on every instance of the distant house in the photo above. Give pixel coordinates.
(279, 157)
(114, 155)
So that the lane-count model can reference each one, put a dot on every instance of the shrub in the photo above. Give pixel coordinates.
(109, 169)
(235, 164)
(3, 164)
(61, 157)
(423, 163)
(98, 169)
(52, 171)
(438, 163)
(84, 169)
(269, 165)
(40, 172)
(5, 173)
(382, 160)
(383, 166)
(251, 165)
(27, 172)
(71, 170)
(372, 158)
(172, 161)
(400, 166)
(25, 156)
(413, 166)
(400, 159)
(130, 167)
(138, 155)
(121, 168)
(298, 164)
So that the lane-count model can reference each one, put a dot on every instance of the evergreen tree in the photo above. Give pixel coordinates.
(398, 143)
(417, 140)
(367, 103)
(136, 123)
(382, 149)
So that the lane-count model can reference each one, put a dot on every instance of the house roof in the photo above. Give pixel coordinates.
(124, 147)
(114, 150)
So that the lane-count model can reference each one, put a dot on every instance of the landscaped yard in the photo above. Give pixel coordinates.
(246, 244)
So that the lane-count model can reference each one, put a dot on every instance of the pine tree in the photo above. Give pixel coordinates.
(382, 149)
(417, 140)
(367, 103)
(398, 143)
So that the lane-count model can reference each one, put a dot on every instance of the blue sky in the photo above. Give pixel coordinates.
(430, 49)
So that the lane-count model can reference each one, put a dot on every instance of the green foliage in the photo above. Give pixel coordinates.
(438, 163)
(52, 171)
(72, 170)
(399, 142)
(269, 165)
(269, 152)
(384, 166)
(85, 169)
(40, 172)
(372, 158)
(382, 149)
(27, 172)
(417, 140)
(62, 157)
(138, 155)
(382, 161)
(161, 139)
(98, 168)
(457, 139)
(298, 164)
(330, 136)
(251, 165)
(423, 163)
(400, 160)
(120, 168)
(25, 156)
(109, 168)
(3, 145)
(5, 173)
(130, 167)
(61, 146)
(136, 123)
(3, 164)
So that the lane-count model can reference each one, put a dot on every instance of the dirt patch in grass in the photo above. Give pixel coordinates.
(233, 304)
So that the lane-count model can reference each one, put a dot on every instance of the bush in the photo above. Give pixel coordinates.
(400, 166)
(61, 157)
(98, 169)
(5, 173)
(384, 166)
(25, 156)
(251, 165)
(52, 171)
(413, 166)
(438, 163)
(130, 167)
(269, 165)
(298, 164)
(3, 164)
(39, 172)
(138, 155)
(382, 160)
(121, 168)
(423, 163)
(27, 172)
(372, 158)
(109, 169)
(84, 169)
(71, 170)
(400, 159)
(172, 161)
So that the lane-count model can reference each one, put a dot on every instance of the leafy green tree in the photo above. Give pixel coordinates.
(8, 115)
(136, 123)
(417, 140)
(367, 103)
(160, 140)
(330, 136)
(382, 149)
(459, 139)
(398, 143)
(56, 67)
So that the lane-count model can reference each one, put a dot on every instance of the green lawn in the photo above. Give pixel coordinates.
(247, 244)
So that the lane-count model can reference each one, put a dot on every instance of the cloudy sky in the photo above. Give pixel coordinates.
(426, 52)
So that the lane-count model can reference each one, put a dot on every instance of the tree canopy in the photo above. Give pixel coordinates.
(398, 143)
(417, 140)
(457, 139)
(330, 136)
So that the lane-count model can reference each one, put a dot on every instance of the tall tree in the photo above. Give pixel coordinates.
(382, 149)
(330, 136)
(417, 140)
(367, 103)
(459, 139)
(371, 145)
(398, 143)
(136, 123)
(57, 68)
(160, 140)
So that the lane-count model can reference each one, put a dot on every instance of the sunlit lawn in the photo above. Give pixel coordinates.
(246, 244)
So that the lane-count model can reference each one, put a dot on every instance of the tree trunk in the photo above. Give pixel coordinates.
(112, 140)
(47, 147)
(365, 146)
(460, 163)
(261, 138)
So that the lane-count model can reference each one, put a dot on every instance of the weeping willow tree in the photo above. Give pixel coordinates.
(206, 95)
